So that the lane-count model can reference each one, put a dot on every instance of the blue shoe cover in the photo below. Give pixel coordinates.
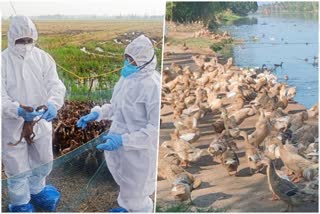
(47, 199)
(24, 208)
(118, 210)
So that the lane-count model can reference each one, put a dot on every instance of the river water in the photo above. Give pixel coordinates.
(271, 40)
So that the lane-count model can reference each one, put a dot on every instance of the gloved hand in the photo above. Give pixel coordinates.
(82, 122)
(51, 113)
(112, 142)
(28, 116)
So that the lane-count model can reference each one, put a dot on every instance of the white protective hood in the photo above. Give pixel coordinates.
(141, 50)
(21, 27)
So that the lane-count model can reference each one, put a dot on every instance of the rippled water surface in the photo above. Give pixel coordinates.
(271, 40)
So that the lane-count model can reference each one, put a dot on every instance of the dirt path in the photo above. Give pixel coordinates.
(245, 193)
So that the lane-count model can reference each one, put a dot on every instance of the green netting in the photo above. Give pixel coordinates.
(83, 179)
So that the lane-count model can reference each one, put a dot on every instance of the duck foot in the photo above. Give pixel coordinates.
(274, 197)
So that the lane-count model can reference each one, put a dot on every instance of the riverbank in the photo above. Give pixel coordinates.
(218, 191)
(196, 38)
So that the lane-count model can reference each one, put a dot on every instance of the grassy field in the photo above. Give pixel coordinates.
(64, 39)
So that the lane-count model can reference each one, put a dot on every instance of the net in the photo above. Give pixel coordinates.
(82, 177)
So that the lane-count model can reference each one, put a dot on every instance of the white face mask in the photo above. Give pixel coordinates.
(23, 50)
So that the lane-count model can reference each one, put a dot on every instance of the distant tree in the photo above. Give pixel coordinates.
(205, 11)
(169, 9)
(291, 7)
(242, 8)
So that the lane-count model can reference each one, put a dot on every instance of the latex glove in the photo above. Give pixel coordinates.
(51, 113)
(112, 142)
(28, 116)
(82, 122)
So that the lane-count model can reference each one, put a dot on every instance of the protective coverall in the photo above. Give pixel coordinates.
(134, 111)
(30, 79)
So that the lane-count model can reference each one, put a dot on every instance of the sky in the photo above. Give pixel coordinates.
(81, 7)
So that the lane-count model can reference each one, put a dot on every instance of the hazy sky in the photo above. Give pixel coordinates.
(84, 7)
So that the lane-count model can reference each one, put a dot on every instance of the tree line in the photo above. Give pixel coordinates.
(186, 12)
(290, 7)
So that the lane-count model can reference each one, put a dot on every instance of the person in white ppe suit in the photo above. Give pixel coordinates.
(131, 144)
(29, 78)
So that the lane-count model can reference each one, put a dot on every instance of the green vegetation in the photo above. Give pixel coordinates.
(200, 42)
(210, 13)
(64, 44)
(290, 7)
(228, 16)
(185, 208)
(217, 46)
(82, 64)
(223, 47)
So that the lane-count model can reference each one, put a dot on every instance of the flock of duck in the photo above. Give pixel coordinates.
(230, 95)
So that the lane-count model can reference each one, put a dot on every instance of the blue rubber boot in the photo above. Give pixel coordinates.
(118, 210)
(24, 208)
(47, 199)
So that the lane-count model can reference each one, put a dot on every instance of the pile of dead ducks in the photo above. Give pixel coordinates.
(66, 135)
(230, 94)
